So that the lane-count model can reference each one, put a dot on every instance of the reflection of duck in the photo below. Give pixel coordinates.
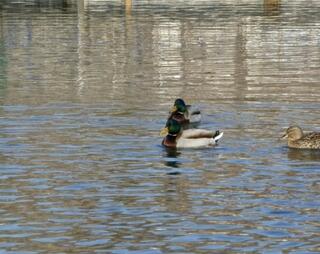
(185, 114)
(296, 138)
(304, 155)
(171, 158)
(175, 136)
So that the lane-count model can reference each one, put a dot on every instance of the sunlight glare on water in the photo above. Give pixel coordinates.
(86, 86)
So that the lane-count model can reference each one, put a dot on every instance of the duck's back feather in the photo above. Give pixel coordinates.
(197, 133)
(308, 141)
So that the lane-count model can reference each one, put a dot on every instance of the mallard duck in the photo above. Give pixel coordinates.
(176, 137)
(185, 114)
(296, 138)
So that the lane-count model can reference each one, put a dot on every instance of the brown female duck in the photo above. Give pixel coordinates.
(297, 139)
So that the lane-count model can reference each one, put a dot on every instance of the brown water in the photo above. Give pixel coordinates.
(84, 91)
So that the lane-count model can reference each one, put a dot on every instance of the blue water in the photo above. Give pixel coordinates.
(85, 91)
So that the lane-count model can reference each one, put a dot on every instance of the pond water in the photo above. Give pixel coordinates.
(85, 89)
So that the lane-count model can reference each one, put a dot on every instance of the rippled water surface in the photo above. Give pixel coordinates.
(85, 87)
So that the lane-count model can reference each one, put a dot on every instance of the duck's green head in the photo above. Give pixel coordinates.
(179, 106)
(172, 128)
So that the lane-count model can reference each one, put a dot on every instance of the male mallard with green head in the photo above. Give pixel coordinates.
(176, 137)
(297, 139)
(185, 114)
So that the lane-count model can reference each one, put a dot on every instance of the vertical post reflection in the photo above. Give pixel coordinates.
(241, 69)
(82, 4)
(271, 7)
(128, 6)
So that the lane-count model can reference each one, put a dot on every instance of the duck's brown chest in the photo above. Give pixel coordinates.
(180, 118)
(169, 141)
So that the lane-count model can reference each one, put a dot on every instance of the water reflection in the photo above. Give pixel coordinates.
(272, 7)
(304, 155)
(171, 157)
(176, 198)
(85, 87)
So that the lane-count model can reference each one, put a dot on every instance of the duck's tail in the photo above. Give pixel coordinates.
(218, 135)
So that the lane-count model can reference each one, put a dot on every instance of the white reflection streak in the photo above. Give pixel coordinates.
(167, 50)
(82, 4)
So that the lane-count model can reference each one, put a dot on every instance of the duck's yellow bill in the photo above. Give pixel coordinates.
(164, 132)
(284, 136)
(173, 109)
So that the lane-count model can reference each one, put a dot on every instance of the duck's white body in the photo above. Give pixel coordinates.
(197, 138)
